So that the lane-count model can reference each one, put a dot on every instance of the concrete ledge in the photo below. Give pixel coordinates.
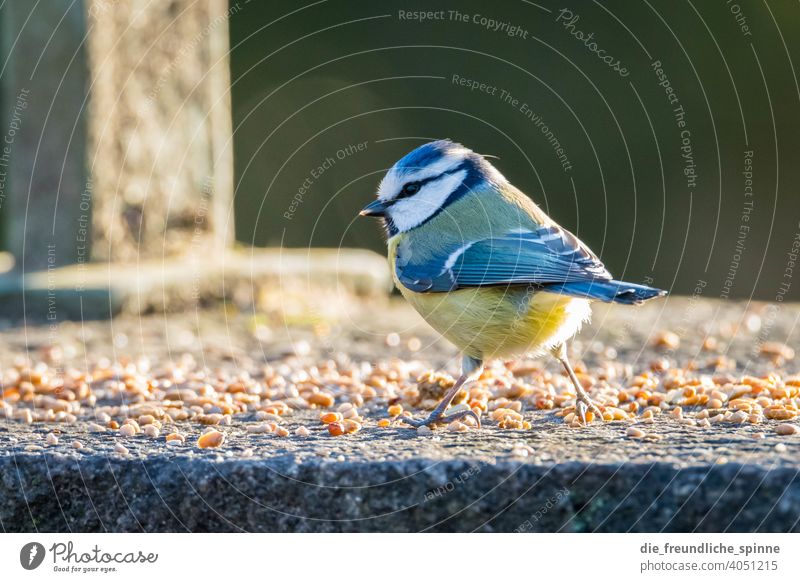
(101, 290)
(59, 494)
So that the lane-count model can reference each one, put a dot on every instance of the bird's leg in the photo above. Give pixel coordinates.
(582, 400)
(470, 369)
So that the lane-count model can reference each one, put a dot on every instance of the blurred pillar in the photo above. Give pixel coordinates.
(160, 151)
(43, 132)
(118, 114)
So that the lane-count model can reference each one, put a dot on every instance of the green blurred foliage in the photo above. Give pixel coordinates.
(311, 81)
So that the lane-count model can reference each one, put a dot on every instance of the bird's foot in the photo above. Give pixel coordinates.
(583, 403)
(438, 417)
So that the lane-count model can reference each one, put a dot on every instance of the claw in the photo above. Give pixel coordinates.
(411, 421)
(584, 403)
(442, 419)
(580, 408)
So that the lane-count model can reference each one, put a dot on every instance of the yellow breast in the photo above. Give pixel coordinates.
(490, 322)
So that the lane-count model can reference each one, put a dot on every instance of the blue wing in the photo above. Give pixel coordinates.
(543, 256)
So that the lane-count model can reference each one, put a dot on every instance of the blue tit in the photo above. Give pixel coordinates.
(486, 267)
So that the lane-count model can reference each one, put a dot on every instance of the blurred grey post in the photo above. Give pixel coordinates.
(43, 129)
(160, 153)
(119, 114)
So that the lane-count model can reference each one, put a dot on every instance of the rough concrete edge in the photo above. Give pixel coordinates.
(165, 493)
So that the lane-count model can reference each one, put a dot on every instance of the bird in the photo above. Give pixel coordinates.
(486, 267)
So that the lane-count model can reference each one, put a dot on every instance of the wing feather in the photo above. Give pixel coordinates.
(543, 256)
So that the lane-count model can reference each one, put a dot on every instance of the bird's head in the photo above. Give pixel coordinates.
(426, 181)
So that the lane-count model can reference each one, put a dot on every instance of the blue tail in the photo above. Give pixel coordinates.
(608, 291)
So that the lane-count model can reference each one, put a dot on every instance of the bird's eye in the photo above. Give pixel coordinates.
(410, 189)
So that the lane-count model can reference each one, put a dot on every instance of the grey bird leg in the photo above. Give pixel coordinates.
(582, 401)
(470, 369)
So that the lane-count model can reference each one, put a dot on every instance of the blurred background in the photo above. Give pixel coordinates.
(665, 134)
(340, 73)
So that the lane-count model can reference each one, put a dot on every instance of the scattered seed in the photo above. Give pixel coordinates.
(395, 410)
(263, 415)
(302, 431)
(211, 439)
(207, 419)
(127, 430)
(120, 449)
(457, 426)
(776, 351)
(635, 433)
(351, 426)
(787, 429)
(260, 428)
(329, 417)
(738, 417)
(667, 340)
(322, 399)
(134, 424)
(51, 439)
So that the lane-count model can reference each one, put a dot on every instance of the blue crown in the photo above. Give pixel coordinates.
(428, 153)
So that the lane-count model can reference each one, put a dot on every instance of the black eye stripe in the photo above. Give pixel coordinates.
(418, 184)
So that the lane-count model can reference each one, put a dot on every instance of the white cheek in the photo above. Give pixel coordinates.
(411, 212)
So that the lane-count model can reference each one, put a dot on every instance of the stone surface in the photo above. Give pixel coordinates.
(549, 478)
(266, 280)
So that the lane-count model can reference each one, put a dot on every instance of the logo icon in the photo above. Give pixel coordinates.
(31, 555)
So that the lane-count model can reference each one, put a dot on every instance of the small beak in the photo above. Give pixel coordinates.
(375, 208)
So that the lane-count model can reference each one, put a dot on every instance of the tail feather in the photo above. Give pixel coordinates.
(608, 291)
